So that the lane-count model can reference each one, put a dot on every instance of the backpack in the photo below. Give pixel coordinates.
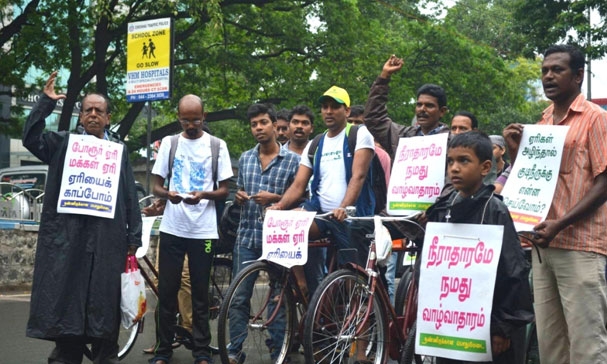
(376, 172)
(219, 247)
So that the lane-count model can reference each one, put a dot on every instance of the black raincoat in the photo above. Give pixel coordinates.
(512, 302)
(79, 258)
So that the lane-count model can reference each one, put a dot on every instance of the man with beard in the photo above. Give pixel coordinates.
(339, 179)
(301, 126)
(188, 225)
(283, 133)
(430, 108)
(570, 291)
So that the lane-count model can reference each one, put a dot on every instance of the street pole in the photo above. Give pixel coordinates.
(149, 148)
(589, 74)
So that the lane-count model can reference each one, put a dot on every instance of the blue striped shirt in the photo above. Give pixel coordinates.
(276, 178)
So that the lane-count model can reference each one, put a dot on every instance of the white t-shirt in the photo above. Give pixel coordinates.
(332, 186)
(192, 171)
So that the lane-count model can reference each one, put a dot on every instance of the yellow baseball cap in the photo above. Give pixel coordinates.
(338, 94)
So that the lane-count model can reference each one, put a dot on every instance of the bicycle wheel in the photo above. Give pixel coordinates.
(338, 309)
(408, 355)
(126, 340)
(260, 327)
(221, 277)
(400, 298)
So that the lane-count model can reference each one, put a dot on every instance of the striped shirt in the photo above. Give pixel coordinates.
(275, 178)
(584, 158)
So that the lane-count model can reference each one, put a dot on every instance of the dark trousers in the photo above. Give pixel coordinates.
(170, 264)
(70, 350)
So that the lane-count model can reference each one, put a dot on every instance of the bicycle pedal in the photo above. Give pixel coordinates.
(184, 337)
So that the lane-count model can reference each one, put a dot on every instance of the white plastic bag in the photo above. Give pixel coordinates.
(383, 242)
(133, 300)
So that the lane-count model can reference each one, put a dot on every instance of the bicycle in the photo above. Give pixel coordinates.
(276, 305)
(221, 276)
(350, 317)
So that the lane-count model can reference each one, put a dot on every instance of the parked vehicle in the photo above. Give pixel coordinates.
(22, 192)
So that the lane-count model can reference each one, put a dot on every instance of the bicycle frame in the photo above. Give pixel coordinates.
(398, 326)
(288, 281)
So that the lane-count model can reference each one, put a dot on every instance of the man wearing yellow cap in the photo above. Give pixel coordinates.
(340, 179)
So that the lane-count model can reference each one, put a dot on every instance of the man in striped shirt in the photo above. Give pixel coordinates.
(569, 284)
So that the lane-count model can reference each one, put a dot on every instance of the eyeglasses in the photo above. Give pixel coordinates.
(97, 111)
(186, 122)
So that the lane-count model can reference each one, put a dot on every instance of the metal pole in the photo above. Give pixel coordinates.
(589, 70)
(149, 148)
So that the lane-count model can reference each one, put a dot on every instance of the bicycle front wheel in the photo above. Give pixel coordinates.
(257, 316)
(344, 323)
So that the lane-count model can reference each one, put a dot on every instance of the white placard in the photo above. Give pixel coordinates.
(530, 187)
(91, 174)
(418, 174)
(457, 280)
(285, 236)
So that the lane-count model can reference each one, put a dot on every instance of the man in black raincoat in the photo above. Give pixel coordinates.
(79, 258)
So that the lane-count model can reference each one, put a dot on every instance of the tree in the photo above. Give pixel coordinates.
(545, 22)
(236, 52)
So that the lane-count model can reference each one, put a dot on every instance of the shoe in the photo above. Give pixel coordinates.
(237, 359)
(158, 361)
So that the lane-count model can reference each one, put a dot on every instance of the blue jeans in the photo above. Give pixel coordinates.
(391, 275)
(240, 306)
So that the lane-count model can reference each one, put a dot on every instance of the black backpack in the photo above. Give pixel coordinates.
(376, 171)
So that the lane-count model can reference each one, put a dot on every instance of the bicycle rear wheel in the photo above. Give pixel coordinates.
(400, 298)
(260, 327)
(339, 308)
(408, 354)
(221, 277)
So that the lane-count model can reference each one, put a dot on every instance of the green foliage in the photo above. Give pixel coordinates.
(545, 22)
(235, 53)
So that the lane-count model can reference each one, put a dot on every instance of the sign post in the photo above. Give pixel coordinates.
(148, 68)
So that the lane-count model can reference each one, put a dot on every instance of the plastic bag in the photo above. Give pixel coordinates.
(383, 242)
(133, 301)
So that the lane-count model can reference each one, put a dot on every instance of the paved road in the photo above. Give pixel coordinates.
(16, 348)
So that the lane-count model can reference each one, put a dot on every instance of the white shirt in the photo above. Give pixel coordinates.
(332, 187)
(192, 171)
